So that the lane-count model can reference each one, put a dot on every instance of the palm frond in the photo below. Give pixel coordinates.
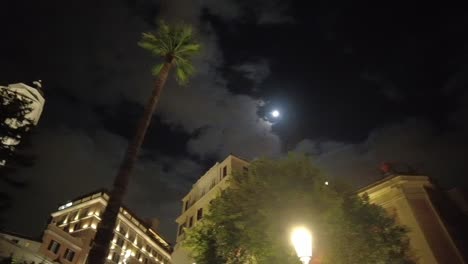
(173, 42)
(188, 49)
(184, 70)
(156, 69)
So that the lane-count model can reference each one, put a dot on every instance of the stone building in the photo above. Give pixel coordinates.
(69, 235)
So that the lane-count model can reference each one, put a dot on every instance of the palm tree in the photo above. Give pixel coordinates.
(175, 45)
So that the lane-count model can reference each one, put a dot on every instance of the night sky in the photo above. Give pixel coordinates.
(356, 86)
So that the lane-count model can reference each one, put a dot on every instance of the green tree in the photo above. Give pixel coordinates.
(13, 110)
(175, 45)
(250, 222)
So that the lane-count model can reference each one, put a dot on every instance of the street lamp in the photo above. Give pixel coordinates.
(302, 241)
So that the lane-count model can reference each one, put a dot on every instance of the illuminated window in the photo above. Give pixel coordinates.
(69, 254)
(54, 246)
(199, 213)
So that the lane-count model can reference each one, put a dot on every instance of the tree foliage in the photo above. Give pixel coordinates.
(175, 43)
(14, 127)
(250, 222)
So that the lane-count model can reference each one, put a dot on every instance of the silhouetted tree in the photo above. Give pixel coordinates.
(13, 137)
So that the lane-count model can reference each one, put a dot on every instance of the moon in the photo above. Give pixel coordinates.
(275, 113)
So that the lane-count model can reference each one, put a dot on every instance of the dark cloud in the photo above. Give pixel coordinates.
(262, 11)
(73, 162)
(388, 89)
(225, 122)
(256, 71)
(414, 142)
(92, 61)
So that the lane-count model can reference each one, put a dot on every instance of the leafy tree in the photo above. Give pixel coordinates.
(250, 222)
(14, 131)
(175, 45)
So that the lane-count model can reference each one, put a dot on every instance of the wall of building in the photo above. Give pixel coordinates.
(74, 226)
(21, 249)
(196, 203)
(407, 198)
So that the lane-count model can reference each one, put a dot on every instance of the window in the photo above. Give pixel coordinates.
(73, 216)
(181, 229)
(213, 183)
(145, 260)
(138, 255)
(120, 242)
(190, 222)
(245, 170)
(115, 257)
(69, 254)
(199, 213)
(186, 205)
(224, 171)
(122, 229)
(131, 236)
(54, 246)
(84, 212)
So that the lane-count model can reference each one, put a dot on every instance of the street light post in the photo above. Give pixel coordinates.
(302, 241)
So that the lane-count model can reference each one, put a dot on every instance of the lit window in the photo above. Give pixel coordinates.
(199, 213)
(54, 246)
(69, 254)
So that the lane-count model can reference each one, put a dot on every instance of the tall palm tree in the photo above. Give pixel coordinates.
(175, 45)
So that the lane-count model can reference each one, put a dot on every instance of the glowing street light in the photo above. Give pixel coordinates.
(302, 241)
(275, 113)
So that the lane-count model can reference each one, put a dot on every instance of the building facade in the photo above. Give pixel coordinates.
(21, 249)
(416, 203)
(196, 203)
(69, 235)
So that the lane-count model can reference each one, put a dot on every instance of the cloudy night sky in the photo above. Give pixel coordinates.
(355, 85)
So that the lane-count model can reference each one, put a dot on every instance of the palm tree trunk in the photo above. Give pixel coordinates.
(104, 235)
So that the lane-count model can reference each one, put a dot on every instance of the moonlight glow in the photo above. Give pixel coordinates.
(275, 113)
